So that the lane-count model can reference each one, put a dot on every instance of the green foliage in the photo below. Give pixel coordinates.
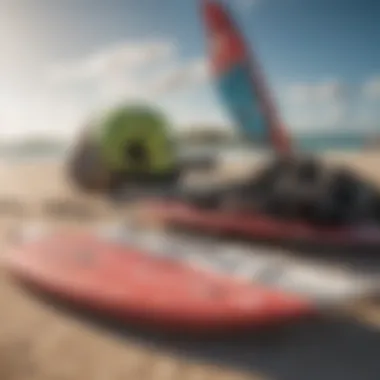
(129, 124)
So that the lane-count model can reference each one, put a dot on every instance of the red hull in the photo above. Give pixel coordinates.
(129, 284)
(262, 226)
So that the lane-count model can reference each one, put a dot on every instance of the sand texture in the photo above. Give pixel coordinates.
(38, 343)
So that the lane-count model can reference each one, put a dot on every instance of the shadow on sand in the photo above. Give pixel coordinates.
(335, 348)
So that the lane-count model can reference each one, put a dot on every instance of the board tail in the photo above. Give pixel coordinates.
(239, 80)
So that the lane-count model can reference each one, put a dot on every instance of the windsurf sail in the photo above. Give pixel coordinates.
(239, 80)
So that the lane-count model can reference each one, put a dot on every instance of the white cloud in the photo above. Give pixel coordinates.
(143, 70)
(319, 104)
(310, 118)
(115, 61)
(182, 76)
(371, 88)
(332, 104)
(133, 71)
(325, 91)
(151, 70)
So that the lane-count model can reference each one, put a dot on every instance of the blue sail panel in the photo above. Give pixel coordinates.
(236, 92)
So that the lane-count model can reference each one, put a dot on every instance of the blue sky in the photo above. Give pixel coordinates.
(63, 59)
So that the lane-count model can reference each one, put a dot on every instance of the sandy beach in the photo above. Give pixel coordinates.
(37, 343)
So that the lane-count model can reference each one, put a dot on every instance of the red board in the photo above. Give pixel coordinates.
(262, 226)
(128, 283)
